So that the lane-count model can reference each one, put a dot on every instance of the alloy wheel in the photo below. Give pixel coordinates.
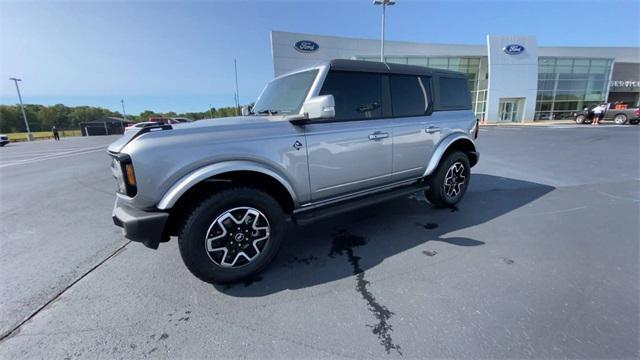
(454, 179)
(237, 237)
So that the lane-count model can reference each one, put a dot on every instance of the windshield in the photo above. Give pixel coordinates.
(285, 95)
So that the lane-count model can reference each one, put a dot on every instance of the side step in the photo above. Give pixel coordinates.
(303, 216)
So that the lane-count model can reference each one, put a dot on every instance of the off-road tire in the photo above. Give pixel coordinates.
(192, 240)
(437, 192)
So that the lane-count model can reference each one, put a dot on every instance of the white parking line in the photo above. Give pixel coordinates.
(55, 156)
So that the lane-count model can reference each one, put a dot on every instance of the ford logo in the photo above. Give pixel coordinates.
(513, 49)
(306, 46)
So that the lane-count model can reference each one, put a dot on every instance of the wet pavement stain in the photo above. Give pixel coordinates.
(429, 226)
(430, 252)
(246, 282)
(507, 261)
(296, 260)
(343, 244)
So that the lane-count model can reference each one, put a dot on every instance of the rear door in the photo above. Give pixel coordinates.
(414, 133)
(353, 151)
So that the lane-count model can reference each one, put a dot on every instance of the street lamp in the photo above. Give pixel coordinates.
(384, 4)
(124, 116)
(24, 114)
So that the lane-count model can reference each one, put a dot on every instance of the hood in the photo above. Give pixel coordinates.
(206, 124)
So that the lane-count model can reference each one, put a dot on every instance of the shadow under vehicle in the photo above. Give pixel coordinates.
(308, 257)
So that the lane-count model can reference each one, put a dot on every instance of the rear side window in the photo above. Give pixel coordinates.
(357, 95)
(454, 94)
(409, 95)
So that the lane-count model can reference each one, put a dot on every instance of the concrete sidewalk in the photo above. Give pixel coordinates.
(532, 123)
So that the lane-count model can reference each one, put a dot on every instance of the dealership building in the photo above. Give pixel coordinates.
(511, 78)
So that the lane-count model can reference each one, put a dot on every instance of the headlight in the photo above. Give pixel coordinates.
(122, 169)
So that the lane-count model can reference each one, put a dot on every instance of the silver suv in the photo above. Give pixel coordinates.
(322, 140)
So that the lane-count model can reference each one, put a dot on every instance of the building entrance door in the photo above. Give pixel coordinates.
(510, 109)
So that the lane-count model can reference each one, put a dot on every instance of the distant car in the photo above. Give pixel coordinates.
(180, 120)
(140, 125)
(619, 116)
(4, 140)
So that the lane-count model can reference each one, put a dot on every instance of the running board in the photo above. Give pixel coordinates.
(303, 216)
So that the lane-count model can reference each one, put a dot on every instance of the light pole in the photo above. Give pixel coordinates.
(124, 115)
(24, 114)
(384, 4)
(235, 67)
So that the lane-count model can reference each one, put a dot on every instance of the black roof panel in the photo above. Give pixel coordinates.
(389, 68)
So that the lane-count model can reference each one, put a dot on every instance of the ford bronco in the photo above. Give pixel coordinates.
(322, 140)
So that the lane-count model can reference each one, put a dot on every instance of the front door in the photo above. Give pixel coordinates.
(353, 151)
(510, 109)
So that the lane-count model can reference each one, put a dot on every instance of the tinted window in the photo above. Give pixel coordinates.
(409, 95)
(357, 95)
(454, 93)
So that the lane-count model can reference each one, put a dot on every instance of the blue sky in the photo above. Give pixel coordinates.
(178, 56)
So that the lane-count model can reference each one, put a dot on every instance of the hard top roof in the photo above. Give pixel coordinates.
(388, 68)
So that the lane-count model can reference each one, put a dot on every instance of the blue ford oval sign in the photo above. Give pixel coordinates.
(513, 49)
(306, 46)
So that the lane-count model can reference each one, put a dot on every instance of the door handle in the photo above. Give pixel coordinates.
(378, 136)
(432, 129)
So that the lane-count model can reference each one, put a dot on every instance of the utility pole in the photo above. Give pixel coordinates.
(384, 4)
(210, 112)
(124, 115)
(24, 114)
(235, 66)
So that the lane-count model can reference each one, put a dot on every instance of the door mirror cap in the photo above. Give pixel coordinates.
(320, 107)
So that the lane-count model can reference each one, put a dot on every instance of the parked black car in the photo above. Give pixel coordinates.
(4, 140)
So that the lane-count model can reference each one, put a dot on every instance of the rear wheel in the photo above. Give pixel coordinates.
(450, 180)
(232, 235)
(620, 119)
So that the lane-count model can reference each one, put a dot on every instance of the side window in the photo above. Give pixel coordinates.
(357, 95)
(409, 95)
(454, 94)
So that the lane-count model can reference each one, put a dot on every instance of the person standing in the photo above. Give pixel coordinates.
(56, 136)
(598, 111)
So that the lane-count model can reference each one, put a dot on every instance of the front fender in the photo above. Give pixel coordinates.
(445, 144)
(187, 182)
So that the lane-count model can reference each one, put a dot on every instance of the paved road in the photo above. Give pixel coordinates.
(540, 260)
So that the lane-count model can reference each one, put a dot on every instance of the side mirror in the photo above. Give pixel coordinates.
(246, 110)
(320, 107)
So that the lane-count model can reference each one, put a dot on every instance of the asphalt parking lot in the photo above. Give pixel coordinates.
(540, 260)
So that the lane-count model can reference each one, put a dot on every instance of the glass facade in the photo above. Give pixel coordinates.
(474, 67)
(566, 85)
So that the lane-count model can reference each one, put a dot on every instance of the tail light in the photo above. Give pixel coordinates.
(637, 112)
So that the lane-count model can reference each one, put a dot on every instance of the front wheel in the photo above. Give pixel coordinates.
(581, 119)
(232, 235)
(449, 182)
(620, 119)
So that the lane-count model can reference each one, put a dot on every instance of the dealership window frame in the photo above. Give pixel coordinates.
(567, 85)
